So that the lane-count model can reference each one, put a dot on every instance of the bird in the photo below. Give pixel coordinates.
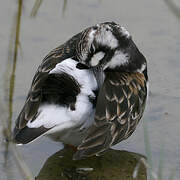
(89, 92)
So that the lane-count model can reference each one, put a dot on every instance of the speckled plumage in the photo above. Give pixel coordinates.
(89, 92)
(119, 108)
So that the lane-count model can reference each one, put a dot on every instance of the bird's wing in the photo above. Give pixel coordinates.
(41, 78)
(119, 108)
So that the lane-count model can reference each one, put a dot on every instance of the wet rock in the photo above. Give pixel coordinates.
(113, 165)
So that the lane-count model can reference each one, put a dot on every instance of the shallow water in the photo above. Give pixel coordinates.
(156, 32)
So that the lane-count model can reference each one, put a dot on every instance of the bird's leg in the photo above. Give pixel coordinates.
(74, 148)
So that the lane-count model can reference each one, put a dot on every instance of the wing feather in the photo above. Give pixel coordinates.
(34, 98)
(119, 108)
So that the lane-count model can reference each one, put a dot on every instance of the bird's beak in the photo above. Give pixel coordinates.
(99, 75)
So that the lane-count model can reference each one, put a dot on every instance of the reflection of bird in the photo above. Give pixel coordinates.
(89, 92)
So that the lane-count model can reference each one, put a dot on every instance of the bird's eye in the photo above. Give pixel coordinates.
(107, 29)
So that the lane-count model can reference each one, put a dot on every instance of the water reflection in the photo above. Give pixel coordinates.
(113, 165)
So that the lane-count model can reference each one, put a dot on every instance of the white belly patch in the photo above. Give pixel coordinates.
(69, 126)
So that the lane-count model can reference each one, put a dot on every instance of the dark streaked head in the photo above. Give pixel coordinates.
(110, 46)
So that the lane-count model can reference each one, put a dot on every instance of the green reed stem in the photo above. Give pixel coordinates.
(15, 53)
(36, 7)
(147, 148)
(64, 7)
(173, 7)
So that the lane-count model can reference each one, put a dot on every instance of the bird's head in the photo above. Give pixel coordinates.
(110, 46)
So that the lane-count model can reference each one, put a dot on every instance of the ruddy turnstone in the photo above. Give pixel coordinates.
(90, 92)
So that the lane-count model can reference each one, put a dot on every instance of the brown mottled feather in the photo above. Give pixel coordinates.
(119, 108)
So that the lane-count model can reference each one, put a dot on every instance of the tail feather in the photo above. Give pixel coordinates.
(94, 145)
(27, 135)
